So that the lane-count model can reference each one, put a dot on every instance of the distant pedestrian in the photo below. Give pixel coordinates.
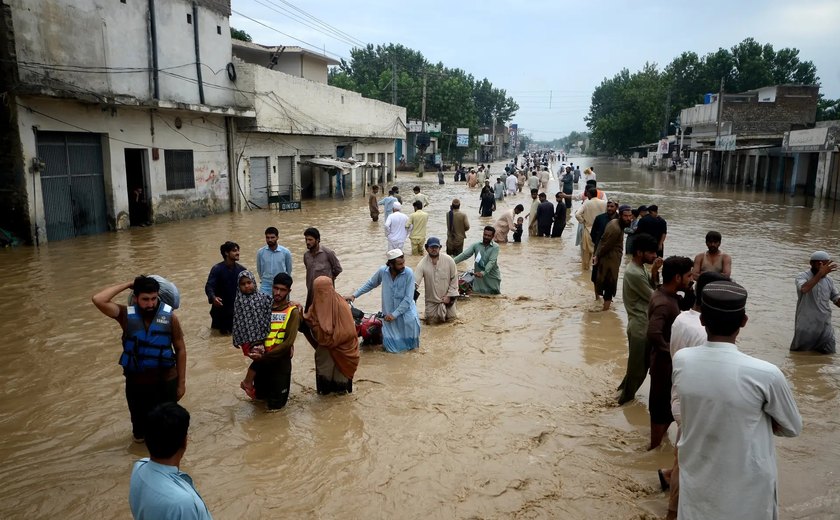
(559, 216)
(533, 227)
(388, 203)
(499, 189)
(319, 261)
(396, 227)
(545, 216)
(655, 226)
(422, 197)
(510, 184)
(608, 256)
(457, 226)
(373, 205)
(488, 203)
(221, 287)
(416, 224)
(812, 329)
(272, 259)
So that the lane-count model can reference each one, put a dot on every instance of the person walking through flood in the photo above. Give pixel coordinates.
(506, 223)
(559, 216)
(663, 310)
(713, 260)
(488, 278)
(732, 405)
(318, 260)
(637, 288)
(416, 225)
(533, 226)
(608, 254)
(373, 205)
(221, 287)
(401, 324)
(251, 322)
(812, 329)
(387, 203)
(273, 366)
(272, 258)
(334, 338)
(585, 215)
(457, 226)
(488, 203)
(154, 357)
(439, 276)
(396, 229)
(545, 216)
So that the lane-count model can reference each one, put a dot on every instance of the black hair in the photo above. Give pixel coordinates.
(417, 204)
(145, 285)
(519, 208)
(644, 243)
(674, 265)
(490, 228)
(542, 196)
(227, 247)
(721, 323)
(166, 432)
(592, 193)
(713, 236)
(271, 230)
(282, 279)
(416, 189)
(558, 194)
(312, 232)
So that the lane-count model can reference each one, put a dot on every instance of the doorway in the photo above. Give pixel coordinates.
(136, 169)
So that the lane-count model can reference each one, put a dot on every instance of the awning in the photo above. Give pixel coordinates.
(345, 166)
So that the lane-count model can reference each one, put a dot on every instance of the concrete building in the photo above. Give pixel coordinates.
(121, 113)
(738, 140)
(816, 160)
(296, 119)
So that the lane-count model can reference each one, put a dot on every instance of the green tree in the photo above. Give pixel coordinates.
(239, 34)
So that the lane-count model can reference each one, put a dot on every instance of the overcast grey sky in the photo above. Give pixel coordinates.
(550, 54)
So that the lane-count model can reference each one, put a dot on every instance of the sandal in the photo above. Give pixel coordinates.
(249, 389)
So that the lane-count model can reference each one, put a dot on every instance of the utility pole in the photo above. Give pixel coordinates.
(423, 130)
(493, 156)
(394, 83)
(717, 135)
(667, 113)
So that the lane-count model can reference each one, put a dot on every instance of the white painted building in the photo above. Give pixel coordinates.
(298, 119)
(107, 97)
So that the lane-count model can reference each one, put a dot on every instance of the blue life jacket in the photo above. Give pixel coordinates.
(147, 349)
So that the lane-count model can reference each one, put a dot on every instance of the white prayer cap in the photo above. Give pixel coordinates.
(394, 254)
(820, 256)
(397, 206)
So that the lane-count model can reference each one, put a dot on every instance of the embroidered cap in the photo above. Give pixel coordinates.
(724, 296)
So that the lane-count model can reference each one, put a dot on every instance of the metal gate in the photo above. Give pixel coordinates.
(259, 181)
(72, 184)
(285, 187)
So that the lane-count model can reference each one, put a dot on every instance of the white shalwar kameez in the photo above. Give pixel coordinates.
(727, 459)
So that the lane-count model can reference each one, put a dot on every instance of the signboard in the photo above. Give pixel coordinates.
(514, 136)
(662, 149)
(438, 158)
(291, 205)
(811, 140)
(462, 137)
(415, 125)
(725, 143)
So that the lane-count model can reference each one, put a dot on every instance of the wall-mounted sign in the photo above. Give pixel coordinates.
(462, 137)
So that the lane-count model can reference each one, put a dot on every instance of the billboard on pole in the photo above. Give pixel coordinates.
(514, 136)
(462, 137)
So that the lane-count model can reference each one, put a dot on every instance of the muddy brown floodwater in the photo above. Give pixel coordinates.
(505, 414)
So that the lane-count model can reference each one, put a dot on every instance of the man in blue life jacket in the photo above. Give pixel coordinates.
(154, 357)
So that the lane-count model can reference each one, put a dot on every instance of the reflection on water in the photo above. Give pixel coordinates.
(506, 413)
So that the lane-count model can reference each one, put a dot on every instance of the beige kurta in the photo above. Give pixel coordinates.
(586, 214)
(503, 225)
(439, 280)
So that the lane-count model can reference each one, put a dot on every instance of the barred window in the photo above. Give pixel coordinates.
(180, 174)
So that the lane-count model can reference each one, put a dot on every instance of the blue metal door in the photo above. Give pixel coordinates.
(72, 184)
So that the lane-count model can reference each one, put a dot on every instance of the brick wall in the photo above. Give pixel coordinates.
(795, 108)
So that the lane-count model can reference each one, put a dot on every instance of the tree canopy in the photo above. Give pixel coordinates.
(635, 108)
(239, 34)
(453, 97)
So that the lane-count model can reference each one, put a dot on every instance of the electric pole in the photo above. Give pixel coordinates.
(423, 130)
(394, 83)
(493, 157)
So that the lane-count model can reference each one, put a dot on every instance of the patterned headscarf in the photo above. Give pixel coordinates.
(251, 314)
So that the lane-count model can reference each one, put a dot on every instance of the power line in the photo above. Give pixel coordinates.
(338, 33)
(313, 47)
(277, 9)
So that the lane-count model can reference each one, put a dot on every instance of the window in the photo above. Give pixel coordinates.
(218, 29)
(189, 18)
(180, 174)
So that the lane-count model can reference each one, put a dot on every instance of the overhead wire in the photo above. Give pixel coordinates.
(313, 47)
(332, 34)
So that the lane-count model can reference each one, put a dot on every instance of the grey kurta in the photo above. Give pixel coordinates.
(812, 329)
(439, 280)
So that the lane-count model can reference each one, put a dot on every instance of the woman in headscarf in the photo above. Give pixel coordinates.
(488, 202)
(334, 338)
(251, 322)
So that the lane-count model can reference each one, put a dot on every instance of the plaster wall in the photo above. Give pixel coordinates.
(123, 128)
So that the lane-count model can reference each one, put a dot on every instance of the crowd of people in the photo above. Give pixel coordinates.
(683, 317)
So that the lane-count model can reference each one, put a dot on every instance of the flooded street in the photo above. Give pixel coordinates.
(506, 414)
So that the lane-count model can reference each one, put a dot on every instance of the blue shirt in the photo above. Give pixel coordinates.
(270, 264)
(388, 202)
(160, 492)
(397, 300)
